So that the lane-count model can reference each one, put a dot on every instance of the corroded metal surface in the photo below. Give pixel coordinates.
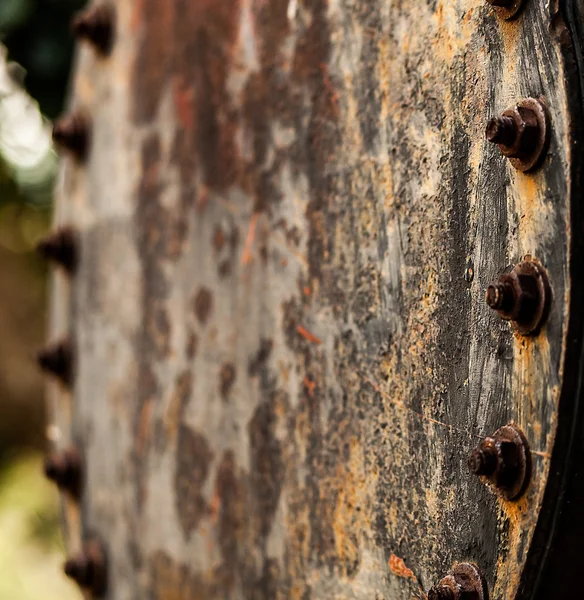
(288, 218)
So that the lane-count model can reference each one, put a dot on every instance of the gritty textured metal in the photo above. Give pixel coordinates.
(288, 219)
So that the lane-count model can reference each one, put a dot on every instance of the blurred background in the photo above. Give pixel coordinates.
(36, 49)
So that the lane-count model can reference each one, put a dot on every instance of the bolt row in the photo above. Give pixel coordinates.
(65, 468)
(522, 296)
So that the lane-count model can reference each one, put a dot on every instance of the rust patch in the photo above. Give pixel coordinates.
(183, 389)
(224, 268)
(183, 96)
(153, 62)
(260, 358)
(203, 305)
(267, 470)
(170, 580)
(398, 567)
(189, 48)
(144, 428)
(193, 459)
(226, 380)
(309, 385)
(230, 493)
(218, 238)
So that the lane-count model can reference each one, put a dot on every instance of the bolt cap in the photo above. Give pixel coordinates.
(89, 569)
(504, 460)
(522, 133)
(72, 133)
(60, 246)
(96, 25)
(58, 359)
(522, 296)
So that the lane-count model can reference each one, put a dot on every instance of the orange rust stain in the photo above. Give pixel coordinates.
(309, 336)
(202, 199)
(183, 101)
(398, 567)
(135, 19)
(529, 189)
(310, 385)
(214, 507)
(307, 291)
(332, 94)
(249, 239)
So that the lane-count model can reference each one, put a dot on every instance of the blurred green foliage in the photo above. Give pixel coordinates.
(38, 37)
(31, 547)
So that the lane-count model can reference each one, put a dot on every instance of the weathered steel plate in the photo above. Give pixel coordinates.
(289, 217)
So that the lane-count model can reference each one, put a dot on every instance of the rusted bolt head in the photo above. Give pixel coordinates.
(503, 459)
(522, 133)
(61, 247)
(88, 568)
(58, 359)
(464, 582)
(96, 25)
(65, 468)
(522, 296)
(72, 133)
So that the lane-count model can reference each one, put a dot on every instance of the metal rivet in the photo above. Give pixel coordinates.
(65, 468)
(58, 359)
(464, 582)
(88, 569)
(61, 247)
(72, 133)
(503, 459)
(522, 133)
(522, 296)
(96, 25)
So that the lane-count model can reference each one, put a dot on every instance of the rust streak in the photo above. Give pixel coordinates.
(309, 336)
(310, 385)
(398, 567)
(144, 429)
(249, 239)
